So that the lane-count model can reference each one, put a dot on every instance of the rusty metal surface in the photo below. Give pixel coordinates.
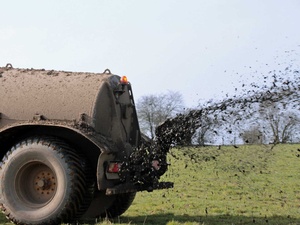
(59, 95)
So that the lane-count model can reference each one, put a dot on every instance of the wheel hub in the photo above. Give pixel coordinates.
(45, 183)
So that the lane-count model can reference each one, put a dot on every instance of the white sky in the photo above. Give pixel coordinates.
(201, 48)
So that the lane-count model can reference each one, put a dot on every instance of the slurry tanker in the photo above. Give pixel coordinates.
(71, 146)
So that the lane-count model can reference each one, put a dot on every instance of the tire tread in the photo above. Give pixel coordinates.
(79, 172)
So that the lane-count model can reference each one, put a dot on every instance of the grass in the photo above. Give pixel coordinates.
(245, 185)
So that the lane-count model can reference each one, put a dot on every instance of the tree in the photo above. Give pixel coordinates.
(154, 109)
(281, 121)
(206, 130)
(252, 136)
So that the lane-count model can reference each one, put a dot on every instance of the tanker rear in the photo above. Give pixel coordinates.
(63, 137)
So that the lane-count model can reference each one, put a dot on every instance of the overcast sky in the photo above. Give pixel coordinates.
(201, 48)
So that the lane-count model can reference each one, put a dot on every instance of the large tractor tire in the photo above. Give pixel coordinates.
(44, 181)
(121, 203)
(108, 206)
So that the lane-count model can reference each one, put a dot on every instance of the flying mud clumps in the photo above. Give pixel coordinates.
(175, 131)
(280, 90)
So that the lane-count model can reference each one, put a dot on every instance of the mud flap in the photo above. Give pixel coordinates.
(103, 181)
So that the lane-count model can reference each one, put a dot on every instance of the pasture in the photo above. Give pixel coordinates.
(249, 184)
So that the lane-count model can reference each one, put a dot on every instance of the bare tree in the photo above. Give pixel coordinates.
(252, 136)
(154, 109)
(281, 121)
(206, 131)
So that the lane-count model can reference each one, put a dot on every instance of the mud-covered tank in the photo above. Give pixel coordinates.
(67, 141)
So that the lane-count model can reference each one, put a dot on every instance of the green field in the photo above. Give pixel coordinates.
(245, 185)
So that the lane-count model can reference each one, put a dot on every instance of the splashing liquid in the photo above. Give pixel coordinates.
(175, 130)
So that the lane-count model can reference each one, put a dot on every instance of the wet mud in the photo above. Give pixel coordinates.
(276, 88)
(232, 111)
